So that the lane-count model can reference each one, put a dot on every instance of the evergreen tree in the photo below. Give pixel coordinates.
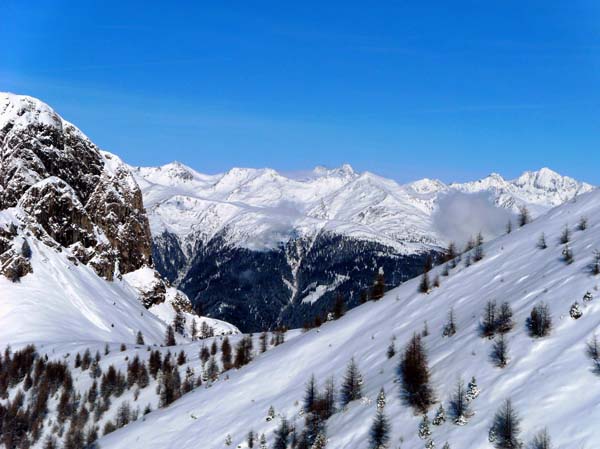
(568, 255)
(505, 322)
(509, 226)
(351, 389)
(26, 249)
(450, 252)
(524, 216)
(424, 285)
(414, 375)
(139, 339)
(596, 263)
(179, 322)
(250, 439)
(450, 326)
(593, 352)
(459, 405)
(478, 252)
(506, 427)
(263, 343)
(440, 416)
(542, 242)
(391, 349)
(378, 289)
(263, 441)
(488, 325)
(539, 322)
(424, 430)
(541, 441)
(339, 307)
(381, 399)
(226, 354)
(565, 237)
(583, 224)
(500, 352)
(282, 435)
(575, 311)
(310, 395)
(379, 435)
(472, 390)
(170, 336)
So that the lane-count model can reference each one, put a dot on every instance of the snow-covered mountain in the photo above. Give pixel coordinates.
(260, 220)
(74, 237)
(551, 380)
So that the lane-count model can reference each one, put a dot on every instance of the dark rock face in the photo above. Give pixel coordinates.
(257, 290)
(72, 194)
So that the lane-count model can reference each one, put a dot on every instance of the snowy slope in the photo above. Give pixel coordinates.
(550, 380)
(259, 208)
(66, 301)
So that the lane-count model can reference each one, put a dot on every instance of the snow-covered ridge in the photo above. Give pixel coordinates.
(261, 207)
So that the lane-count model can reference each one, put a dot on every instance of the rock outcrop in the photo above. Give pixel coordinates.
(71, 194)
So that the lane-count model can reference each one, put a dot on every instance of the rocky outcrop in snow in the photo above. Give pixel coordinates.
(70, 192)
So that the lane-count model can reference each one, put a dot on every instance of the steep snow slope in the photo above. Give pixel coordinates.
(63, 300)
(550, 380)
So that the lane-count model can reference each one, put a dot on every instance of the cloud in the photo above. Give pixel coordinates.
(460, 216)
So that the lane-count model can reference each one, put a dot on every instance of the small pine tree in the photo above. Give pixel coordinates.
(459, 405)
(565, 237)
(440, 416)
(379, 435)
(542, 242)
(139, 339)
(424, 286)
(506, 427)
(509, 226)
(575, 311)
(226, 354)
(478, 253)
(489, 320)
(524, 216)
(500, 352)
(228, 440)
(263, 441)
(568, 255)
(25, 250)
(270, 414)
(282, 435)
(583, 224)
(310, 395)
(250, 439)
(472, 390)
(593, 352)
(505, 322)
(339, 307)
(596, 263)
(378, 289)
(170, 336)
(414, 376)
(541, 440)
(391, 349)
(539, 322)
(446, 445)
(351, 388)
(450, 326)
(425, 331)
(381, 399)
(424, 430)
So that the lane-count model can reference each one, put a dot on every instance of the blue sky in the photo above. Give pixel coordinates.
(407, 89)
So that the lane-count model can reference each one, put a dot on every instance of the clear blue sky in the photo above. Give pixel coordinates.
(406, 89)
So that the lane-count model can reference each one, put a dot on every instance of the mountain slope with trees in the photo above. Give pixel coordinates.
(470, 353)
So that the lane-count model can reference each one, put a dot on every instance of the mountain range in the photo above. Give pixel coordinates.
(228, 239)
